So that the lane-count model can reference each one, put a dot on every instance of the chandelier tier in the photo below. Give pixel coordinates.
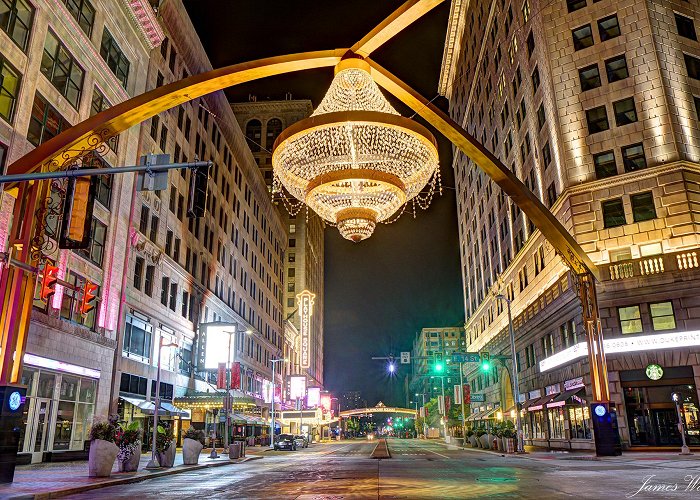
(355, 161)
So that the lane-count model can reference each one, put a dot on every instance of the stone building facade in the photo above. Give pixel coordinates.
(262, 122)
(594, 106)
(433, 345)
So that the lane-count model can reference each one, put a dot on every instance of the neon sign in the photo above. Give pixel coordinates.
(306, 306)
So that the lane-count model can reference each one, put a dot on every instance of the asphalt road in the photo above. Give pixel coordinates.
(421, 469)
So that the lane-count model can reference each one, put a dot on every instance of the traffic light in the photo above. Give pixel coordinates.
(87, 304)
(48, 280)
(485, 358)
(197, 199)
(76, 223)
(438, 366)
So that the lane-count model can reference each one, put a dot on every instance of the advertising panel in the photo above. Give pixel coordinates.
(217, 348)
(313, 397)
(297, 387)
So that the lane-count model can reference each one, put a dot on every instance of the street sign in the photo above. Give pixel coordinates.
(478, 398)
(465, 357)
(153, 181)
(405, 358)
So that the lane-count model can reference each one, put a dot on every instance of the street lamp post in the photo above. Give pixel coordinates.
(681, 428)
(514, 377)
(464, 419)
(272, 402)
(153, 463)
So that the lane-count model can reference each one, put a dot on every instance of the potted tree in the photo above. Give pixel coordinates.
(128, 440)
(165, 446)
(192, 446)
(482, 438)
(498, 432)
(471, 437)
(509, 435)
(103, 451)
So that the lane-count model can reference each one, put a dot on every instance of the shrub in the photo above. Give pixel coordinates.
(102, 430)
(196, 434)
(164, 438)
(480, 431)
(470, 433)
(128, 438)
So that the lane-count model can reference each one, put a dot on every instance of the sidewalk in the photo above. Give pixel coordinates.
(53, 480)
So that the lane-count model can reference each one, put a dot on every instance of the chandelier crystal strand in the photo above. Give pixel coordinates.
(355, 161)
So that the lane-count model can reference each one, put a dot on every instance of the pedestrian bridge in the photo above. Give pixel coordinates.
(380, 408)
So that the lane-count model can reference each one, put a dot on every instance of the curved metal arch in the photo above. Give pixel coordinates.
(87, 135)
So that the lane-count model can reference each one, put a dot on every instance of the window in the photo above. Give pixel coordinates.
(45, 122)
(69, 305)
(535, 79)
(154, 229)
(164, 290)
(608, 28)
(139, 264)
(568, 334)
(148, 284)
(163, 138)
(662, 317)
(616, 68)
(695, 99)
(9, 87)
(583, 37)
(551, 195)
(692, 65)
(99, 103)
(573, 5)
(686, 27)
(613, 213)
(143, 222)
(137, 337)
(546, 155)
(625, 112)
(62, 70)
(605, 165)
(114, 57)
(633, 157)
(133, 384)
(155, 121)
(530, 44)
(597, 119)
(96, 251)
(173, 297)
(541, 117)
(253, 132)
(16, 18)
(630, 319)
(643, 206)
(274, 129)
(83, 12)
(589, 77)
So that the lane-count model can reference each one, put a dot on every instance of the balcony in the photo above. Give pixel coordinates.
(143, 12)
(652, 265)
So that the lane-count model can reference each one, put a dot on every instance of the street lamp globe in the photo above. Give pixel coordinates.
(355, 161)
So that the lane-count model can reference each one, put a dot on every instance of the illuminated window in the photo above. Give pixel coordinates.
(616, 68)
(662, 317)
(9, 88)
(633, 157)
(589, 77)
(613, 213)
(45, 122)
(605, 165)
(608, 28)
(597, 119)
(625, 112)
(630, 319)
(583, 37)
(686, 27)
(643, 206)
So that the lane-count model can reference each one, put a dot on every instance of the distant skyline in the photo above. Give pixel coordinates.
(381, 292)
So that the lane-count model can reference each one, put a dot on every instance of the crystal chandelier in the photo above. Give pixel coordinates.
(355, 161)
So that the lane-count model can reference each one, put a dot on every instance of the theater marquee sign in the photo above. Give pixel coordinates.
(305, 300)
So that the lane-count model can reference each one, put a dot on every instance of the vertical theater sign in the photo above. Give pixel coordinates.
(306, 306)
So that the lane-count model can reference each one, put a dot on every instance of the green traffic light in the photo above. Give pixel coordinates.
(439, 367)
(485, 366)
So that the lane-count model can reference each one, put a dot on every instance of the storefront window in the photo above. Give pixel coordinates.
(556, 423)
(579, 422)
(46, 385)
(538, 424)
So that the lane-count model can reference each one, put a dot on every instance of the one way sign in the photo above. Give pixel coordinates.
(405, 358)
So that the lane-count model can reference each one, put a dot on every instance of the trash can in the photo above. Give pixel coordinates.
(234, 450)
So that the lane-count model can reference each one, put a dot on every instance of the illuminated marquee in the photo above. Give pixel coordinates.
(306, 307)
(625, 344)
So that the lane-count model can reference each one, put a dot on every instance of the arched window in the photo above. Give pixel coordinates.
(274, 128)
(253, 132)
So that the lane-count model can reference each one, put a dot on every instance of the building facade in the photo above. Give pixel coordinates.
(434, 346)
(262, 122)
(62, 62)
(594, 106)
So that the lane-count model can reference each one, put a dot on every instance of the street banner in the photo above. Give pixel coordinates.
(235, 376)
(467, 394)
(447, 405)
(221, 376)
(441, 405)
(422, 412)
(458, 394)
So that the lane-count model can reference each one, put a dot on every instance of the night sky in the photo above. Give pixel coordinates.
(379, 292)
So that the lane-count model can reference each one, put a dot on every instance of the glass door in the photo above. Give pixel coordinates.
(39, 442)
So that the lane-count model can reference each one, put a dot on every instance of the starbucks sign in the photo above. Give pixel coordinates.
(654, 372)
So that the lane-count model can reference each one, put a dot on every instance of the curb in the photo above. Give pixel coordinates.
(383, 452)
(126, 480)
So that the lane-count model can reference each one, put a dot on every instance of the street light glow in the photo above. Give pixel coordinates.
(392, 367)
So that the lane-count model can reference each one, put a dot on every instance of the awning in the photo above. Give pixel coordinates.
(529, 403)
(474, 416)
(564, 397)
(148, 406)
(246, 419)
(539, 404)
(490, 413)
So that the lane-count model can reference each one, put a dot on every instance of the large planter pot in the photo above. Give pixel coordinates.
(484, 440)
(499, 443)
(472, 441)
(509, 445)
(131, 464)
(101, 458)
(191, 448)
(167, 458)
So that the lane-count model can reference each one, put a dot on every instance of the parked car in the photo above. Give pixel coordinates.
(285, 442)
(301, 441)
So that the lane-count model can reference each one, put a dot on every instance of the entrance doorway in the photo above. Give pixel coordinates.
(40, 428)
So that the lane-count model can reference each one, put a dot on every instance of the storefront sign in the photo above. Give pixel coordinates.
(573, 384)
(60, 366)
(305, 301)
(654, 372)
(478, 398)
(625, 344)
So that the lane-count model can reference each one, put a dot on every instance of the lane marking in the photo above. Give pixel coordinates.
(439, 454)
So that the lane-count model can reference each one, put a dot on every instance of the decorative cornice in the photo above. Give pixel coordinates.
(147, 23)
(450, 55)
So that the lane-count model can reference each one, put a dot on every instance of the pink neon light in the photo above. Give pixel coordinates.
(57, 298)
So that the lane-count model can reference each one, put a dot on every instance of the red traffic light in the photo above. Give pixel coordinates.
(89, 296)
(48, 280)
